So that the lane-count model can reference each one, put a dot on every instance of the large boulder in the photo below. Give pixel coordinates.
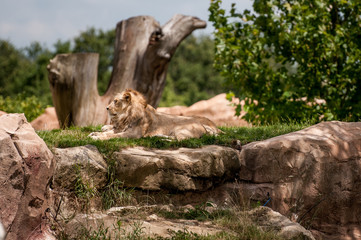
(25, 172)
(218, 109)
(83, 163)
(183, 169)
(312, 176)
(46, 121)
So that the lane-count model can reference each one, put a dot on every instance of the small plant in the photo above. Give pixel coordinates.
(102, 233)
(185, 234)
(137, 231)
(83, 188)
(188, 235)
(199, 212)
(115, 194)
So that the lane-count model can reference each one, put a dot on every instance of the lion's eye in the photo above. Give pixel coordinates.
(115, 101)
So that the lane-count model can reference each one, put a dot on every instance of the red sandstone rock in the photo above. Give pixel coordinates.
(218, 109)
(25, 171)
(46, 121)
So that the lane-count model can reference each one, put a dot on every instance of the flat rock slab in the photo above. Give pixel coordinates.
(183, 169)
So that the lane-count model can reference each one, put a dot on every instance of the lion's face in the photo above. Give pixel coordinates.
(126, 108)
(119, 104)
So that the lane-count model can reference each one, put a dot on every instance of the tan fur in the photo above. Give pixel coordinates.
(132, 117)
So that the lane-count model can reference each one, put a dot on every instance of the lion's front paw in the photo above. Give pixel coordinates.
(107, 128)
(95, 135)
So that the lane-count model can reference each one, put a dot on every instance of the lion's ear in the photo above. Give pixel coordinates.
(127, 97)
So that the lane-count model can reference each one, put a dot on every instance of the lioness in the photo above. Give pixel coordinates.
(131, 117)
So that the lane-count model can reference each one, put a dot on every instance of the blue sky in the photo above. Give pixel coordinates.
(46, 21)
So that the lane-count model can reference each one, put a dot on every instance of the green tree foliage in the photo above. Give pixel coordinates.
(24, 71)
(101, 42)
(288, 53)
(97, 41)
(31, 106)
(37, 84)
(191, 76)
(13, 67)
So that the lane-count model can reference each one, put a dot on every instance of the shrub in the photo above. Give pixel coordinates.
(32, 107)
(285, 55)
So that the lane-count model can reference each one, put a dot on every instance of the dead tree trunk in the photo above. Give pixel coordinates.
(73, 82)
(143, 50)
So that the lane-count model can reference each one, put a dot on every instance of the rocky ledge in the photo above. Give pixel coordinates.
(312, 177)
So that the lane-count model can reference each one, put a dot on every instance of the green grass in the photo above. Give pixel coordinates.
(77, 136)
(115, 194)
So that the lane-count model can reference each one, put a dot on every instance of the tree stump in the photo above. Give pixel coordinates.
(143, 50)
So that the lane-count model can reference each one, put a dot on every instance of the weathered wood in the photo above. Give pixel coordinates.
(143, 50)
(73, 83)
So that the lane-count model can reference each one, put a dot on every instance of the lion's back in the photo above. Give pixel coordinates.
(181, 127)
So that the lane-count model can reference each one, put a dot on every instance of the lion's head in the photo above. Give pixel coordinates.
(126, 108)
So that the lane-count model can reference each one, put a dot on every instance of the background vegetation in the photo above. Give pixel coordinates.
(31, 106)
(24, 71)
(190, 78)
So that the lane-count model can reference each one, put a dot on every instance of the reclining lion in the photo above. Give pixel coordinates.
(132, 117)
